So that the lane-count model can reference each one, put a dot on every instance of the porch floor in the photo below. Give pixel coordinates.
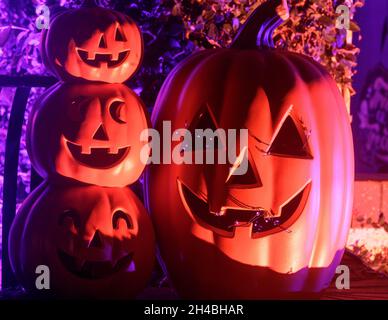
(365, 284)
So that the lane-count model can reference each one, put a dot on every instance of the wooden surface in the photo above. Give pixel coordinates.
(365, 284)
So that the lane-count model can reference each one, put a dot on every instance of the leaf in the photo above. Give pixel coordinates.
(33, 39)
(6, 96)
(381, 220)
(360, 218)
(353, 26)
(236, 24)
(22, 37)
(375, 225)
(4, 35)
(326, 21)
(177, 10)
(212, 31)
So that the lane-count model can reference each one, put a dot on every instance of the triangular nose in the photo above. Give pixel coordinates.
(100, 134)
(102, 43)
(96, 241)
(217, 192)
(215, 203)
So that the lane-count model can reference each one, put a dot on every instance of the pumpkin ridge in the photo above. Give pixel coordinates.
(174, 82)
(200, 68)
(338, 113)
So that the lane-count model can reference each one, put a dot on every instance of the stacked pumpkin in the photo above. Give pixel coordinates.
(83, 222)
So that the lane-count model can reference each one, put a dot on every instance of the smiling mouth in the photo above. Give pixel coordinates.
(100, 158)
(103, 58)
(263, 222)
(95, 269)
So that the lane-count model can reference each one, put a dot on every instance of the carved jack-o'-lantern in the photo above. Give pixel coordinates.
(88, 132)
(92, 43)
(97, 242)
(280, 229)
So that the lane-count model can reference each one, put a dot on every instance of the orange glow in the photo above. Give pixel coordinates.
(89, 133)
(300, 152)
(109, 48)
(97, 242)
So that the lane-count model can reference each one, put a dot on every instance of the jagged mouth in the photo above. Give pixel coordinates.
(100, 58)
(95, 269)
(99, 158)
(261, 220)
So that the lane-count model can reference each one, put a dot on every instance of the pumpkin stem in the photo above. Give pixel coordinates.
(89, 4)
(257, 31)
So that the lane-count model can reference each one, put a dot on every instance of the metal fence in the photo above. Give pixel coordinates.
(23, 85)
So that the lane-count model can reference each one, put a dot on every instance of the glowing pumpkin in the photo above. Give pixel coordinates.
(97, 242)
(89, 133)
(92, 43)
(280, 229)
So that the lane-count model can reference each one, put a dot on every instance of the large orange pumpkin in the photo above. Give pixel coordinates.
(92, 43)
(97, 242)
(280, 229)
(89, 133)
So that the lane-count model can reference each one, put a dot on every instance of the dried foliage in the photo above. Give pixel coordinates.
(370, 242)
(376, 258)
(311, 29)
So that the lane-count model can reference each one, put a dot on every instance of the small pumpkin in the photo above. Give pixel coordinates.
(280, 229)
(89, 133)
(97, 242)
(92, 43)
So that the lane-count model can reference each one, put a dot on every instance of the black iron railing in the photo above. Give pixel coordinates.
(23, 85)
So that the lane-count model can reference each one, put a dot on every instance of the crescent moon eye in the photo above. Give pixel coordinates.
(117, 111)
(119, 214)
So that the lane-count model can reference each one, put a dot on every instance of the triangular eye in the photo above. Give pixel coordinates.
(204, 121)
(102, 43)
(289, 142)
(78, 108)
(119, 35)
(250, 178)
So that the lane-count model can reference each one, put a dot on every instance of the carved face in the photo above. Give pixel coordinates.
(97, 242)
(94, 44)
(285, 213)
(94, 136)
(222, 203)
